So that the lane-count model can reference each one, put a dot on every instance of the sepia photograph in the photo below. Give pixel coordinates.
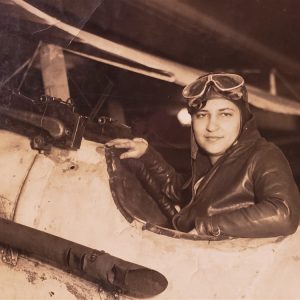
(149, 149)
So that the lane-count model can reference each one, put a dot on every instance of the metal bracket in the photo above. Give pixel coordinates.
(9, 256)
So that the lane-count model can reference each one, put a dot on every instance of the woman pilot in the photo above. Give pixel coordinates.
(242, 185)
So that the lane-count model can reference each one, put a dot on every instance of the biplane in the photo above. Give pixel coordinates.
(75, 223)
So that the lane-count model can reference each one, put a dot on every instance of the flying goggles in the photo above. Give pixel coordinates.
(231, 86)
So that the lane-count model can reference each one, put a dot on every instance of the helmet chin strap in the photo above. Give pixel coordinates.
(194, 145)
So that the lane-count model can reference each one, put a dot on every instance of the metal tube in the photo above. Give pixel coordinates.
(112, 273)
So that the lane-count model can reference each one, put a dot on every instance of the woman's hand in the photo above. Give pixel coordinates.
(136, 147)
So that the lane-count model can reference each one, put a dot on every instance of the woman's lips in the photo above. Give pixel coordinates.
(213, 138)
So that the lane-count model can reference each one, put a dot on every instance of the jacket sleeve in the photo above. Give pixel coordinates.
(277, 208)
(171, 182)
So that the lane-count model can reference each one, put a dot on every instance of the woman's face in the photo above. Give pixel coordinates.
(216, 126)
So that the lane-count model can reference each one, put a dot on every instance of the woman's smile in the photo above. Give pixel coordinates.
(213, 138)
(216, 126)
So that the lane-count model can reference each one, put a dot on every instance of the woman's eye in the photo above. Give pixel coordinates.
(225, 114)
(201, 115)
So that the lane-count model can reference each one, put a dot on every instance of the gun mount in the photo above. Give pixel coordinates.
(49, 121)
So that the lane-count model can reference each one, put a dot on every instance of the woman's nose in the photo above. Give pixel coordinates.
(212, 124)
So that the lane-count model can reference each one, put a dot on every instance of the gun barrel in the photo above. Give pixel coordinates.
(53, 126)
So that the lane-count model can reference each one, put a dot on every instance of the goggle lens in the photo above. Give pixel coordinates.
(195, 88)
(227, 83)
(224, 82)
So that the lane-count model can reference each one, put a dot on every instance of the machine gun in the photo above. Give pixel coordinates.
(49, 122)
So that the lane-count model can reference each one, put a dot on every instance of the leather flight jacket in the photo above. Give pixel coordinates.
(249, 192)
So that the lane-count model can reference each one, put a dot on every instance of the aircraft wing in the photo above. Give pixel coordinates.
(141, 62)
